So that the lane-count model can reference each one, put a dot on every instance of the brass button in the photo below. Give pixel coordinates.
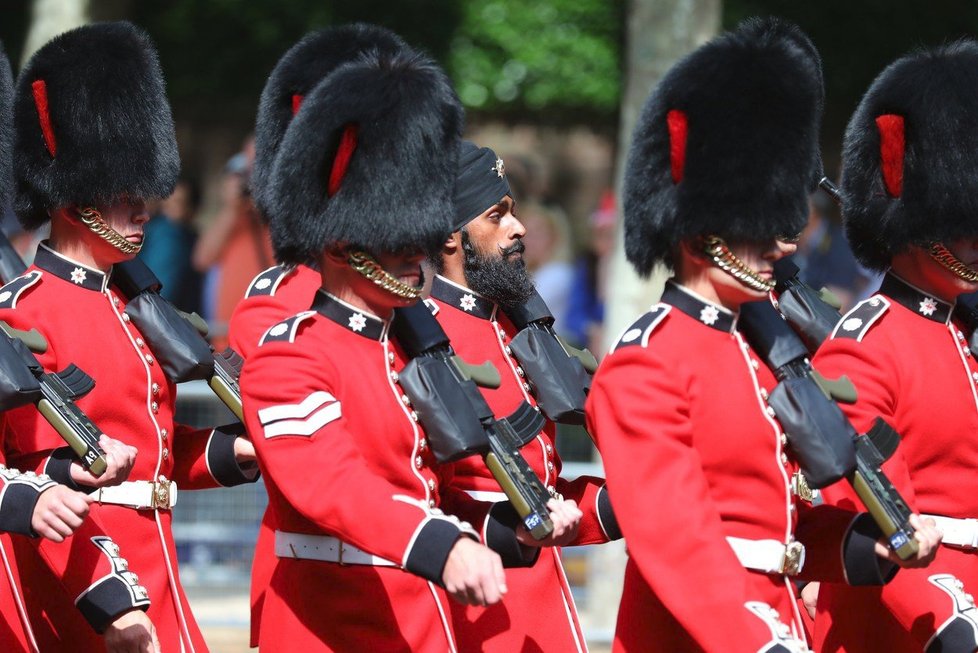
(155, 406)
(414, 415)
(764, 394)
(390, 356)
(519, 370)
(394, 376)
(784, 459)
(550, 448)
(164, 433)
(526, 386)
(149, 359)
(419, 462)
(431, 484)
(509, 352)
(125, 317)
(405, 400)
(156, 388)
(550, 465)
(166, 453)
(754, 363)
(140, 342)
(422, 444)
(431, 503)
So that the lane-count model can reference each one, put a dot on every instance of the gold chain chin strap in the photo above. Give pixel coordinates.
(943, 255)
(717, 249)
(94, 221)
(371, 269)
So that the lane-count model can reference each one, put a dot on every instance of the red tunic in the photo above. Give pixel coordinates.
(693, 456)
(538, 612)
(320, 394)
(81, 316)
(272, 296)
(911, 366)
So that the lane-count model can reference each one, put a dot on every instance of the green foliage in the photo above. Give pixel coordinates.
(540, 58)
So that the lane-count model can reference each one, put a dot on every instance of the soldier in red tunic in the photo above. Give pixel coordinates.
(480, 274)
(94, 140)
(909, 166)
(284, 290)
(723, 159)
(361, 186)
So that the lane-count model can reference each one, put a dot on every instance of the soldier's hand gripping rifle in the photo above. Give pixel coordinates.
(822, 439)
(560, 375)
(457, 419)
(176, 338)
(24, 381)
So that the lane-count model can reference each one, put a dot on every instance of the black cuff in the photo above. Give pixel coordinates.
(957, 635)
(220, 458)
(862, 565)
(431, 548)
(501, 537)
(58, 468)
(606, 515)
(106, 600)
(17, 508)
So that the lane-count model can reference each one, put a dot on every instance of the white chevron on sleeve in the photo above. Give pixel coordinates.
(307, 426)
(300, 410)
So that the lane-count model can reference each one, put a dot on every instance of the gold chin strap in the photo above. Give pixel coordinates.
(943, 255)
(717, 249)
(371, 269)
(94, 221)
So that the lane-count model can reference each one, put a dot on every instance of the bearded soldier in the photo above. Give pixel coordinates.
(719, 172)
(94, 141)
(909, 167)
(481, 273)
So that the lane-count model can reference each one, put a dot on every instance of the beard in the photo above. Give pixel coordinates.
(500, 277)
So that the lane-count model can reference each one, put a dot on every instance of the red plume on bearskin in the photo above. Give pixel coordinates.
(910, 155)
(727, 143)
(92, 123)
(370, 160)
(295, 75)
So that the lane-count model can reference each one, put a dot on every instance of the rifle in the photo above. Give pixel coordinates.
(23, 381)
(559, 373)
(822, 438)
(177, 338)
(966, 309)
(443, 390)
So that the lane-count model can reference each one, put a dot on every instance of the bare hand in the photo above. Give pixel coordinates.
(244, 450)
(928, 537)
(58, 512)
(473, 574)
(566, 518)
(119, 458)
(809, 596)
(133, 632)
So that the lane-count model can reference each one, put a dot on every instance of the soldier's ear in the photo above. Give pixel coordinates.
(453, 243)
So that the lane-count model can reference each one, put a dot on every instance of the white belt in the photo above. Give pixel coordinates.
(485, 495)
(324, 548)
(142, 495)
(957, 532)
(769, 556)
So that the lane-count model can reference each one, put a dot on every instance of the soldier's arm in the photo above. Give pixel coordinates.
(306, 449)
(598, 525)
(640, 420)
(205, 458)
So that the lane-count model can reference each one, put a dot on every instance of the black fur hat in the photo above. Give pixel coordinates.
(910, 155)
(6, 130)
(92, 123)
(727, 143)
(369, 160)
(295, 75)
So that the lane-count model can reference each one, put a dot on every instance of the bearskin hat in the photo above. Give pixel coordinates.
(910, 155)
(92, 123)
(369, 160)
(727, 143)
(6, 130)
(295, 75)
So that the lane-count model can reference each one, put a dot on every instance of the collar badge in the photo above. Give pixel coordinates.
(499, 168)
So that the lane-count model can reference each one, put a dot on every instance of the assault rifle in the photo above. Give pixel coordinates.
(823, 440)
(24, 381)
(559, 374)
(443, 391)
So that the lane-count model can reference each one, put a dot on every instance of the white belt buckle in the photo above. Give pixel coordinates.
(160, 498)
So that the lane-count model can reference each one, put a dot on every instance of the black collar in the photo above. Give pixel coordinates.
(359, 322)
(464, 299)
(915, 300)
(61, 266)
(712, 315)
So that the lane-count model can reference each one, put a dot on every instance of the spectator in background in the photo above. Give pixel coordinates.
(235, 247)
(825, 259)
(585, 315)
(548, 257)
(169, 244)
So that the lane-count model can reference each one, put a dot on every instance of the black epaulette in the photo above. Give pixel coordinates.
(857, 322)
(432, 306)
(285, 331)
(267, 282)
(11, 292)
(640, 330)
